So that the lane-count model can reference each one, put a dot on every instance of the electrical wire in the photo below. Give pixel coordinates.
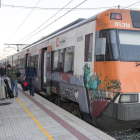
(23, 21)
(55, 20)
(42, 8)
(132, 4)
(46, 21)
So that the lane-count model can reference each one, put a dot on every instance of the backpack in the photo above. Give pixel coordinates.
(18, 74)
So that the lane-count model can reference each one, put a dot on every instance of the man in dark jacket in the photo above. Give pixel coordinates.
(11, 73)
(3, 72)
(30, 73)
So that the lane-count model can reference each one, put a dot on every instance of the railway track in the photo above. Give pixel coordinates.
(131, 134)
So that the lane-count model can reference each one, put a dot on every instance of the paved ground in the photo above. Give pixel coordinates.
(35, 118)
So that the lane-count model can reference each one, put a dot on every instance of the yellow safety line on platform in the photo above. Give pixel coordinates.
(35, 120)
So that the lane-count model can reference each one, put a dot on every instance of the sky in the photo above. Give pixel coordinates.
(11, 18)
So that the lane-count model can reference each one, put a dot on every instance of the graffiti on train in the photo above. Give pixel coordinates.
(91, 82)
(113, 84)
(100, 88)
(69, 93)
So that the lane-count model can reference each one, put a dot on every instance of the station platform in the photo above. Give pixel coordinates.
(35, 118)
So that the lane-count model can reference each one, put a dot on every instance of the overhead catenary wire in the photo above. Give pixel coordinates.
(56, 20)
(46, 21)
(133, 4)
(24, 21)
(43, 8)
(136, 5)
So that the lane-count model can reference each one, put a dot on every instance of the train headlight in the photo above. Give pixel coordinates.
(128, 98)
(116, 16)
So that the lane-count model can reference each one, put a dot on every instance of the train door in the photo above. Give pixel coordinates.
(46, 69)
(43, 69)
(26, 60)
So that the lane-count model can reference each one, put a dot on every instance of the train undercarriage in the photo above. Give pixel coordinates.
(119, 129)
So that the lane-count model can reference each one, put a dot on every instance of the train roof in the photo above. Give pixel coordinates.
(77, 23)
(64, 29)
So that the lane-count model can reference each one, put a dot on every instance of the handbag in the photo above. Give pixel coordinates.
(24, 85)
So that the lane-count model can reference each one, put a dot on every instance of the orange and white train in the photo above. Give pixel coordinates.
(94, 63)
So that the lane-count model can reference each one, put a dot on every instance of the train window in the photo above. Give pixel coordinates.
(14, 63)
(20, 66)
(69, 60)
(111, 46)
(18, 63)
(36, 62)
(58, 60)
(23, 65)
(47, 62)
(55, 60)
(88, 47)
(61, 54)
(32, 58)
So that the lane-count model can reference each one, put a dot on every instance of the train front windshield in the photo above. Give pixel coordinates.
(129, 45)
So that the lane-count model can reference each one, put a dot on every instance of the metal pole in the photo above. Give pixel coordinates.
(118, 6)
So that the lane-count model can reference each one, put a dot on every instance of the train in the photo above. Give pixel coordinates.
(92, 65)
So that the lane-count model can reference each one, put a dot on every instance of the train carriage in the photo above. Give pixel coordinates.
(92, 64)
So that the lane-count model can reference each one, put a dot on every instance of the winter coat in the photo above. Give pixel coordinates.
(31, 71)
(12, 75)
(3, 71)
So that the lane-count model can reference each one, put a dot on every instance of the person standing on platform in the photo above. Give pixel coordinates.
(3, 72)
(11, 73)
(30, 73)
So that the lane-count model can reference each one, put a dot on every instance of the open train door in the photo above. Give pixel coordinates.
(48, 70)
(43, 69)
(27, 56)
(26, 61)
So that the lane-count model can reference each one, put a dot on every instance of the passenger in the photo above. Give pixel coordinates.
(60, 68)
(11, 73)
(30, 73)
(3, 72)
